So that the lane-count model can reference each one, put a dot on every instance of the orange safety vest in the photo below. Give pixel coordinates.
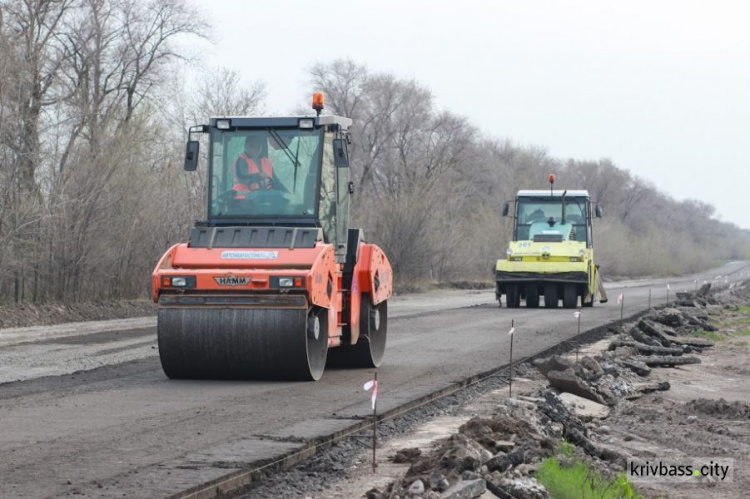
(252, 167)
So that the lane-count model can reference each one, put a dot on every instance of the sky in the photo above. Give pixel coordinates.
(660, 87)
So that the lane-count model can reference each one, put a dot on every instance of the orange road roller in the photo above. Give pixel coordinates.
(273, 284)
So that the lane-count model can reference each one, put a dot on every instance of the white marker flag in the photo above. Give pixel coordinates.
(512, 330)
(619, 298)
(667, 285)
(372, 385)
(577, 314)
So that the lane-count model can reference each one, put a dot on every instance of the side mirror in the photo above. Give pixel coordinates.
(191, 156)
(598, 212)
(340, 153)
(506, 208)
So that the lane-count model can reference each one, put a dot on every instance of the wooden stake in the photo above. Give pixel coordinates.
(649, 298)
(579, 333)
(510, 377)
(375, 426)
(622, 308)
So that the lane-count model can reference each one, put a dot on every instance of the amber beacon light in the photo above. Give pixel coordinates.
(318, 102)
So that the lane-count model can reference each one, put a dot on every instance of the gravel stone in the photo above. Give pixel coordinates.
(416, 488)
(466, 489)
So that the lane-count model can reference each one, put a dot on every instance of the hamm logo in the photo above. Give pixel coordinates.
(232, 281)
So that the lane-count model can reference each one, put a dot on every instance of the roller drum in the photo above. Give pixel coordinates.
(369, 350)
(240, 343)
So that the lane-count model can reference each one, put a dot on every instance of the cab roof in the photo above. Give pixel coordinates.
(282, 121)
(556, 193)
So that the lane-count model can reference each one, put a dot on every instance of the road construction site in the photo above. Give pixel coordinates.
(584, 423)
(88, 412)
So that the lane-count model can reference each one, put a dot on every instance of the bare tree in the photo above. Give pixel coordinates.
(221, 93)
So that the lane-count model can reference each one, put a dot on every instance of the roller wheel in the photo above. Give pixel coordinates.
(570, 296)
(550, 295)
(238, 343)
(532, 296)
(370, 347)
(512, 296)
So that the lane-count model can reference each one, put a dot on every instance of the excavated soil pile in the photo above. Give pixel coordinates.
(497, 456)
(719, 408)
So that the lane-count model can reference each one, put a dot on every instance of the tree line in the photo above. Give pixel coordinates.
(432, 187)
(93, 119)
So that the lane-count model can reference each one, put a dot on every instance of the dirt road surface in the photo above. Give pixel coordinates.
(87, 412)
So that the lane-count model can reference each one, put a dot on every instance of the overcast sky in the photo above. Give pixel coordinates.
(662, 88)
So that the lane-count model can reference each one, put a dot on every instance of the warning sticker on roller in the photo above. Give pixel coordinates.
(250, 255)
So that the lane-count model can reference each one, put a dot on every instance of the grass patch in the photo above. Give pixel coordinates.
(743, 332)
(578, 480)
(566, 449)
(744, 309)
(711, 335)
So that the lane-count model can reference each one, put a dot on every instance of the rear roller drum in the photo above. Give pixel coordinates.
(570, 296)
(532, 296)
(370, 347)
(550, 295)
(512, 296)
(237, 343)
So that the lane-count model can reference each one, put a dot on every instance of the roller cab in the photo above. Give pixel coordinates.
(551, 256)
(273, 284)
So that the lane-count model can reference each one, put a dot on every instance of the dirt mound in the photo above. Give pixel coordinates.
(499, 451)
(47, 314)
(719, 408)
(735, 294)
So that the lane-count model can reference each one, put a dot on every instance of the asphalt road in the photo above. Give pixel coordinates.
(86, 411)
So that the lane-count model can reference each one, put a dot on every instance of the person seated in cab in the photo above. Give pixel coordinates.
(537, 216)
(252, 169)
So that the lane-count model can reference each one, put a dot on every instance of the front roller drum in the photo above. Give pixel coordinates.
(242, 343)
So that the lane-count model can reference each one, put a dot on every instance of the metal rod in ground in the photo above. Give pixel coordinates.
(622, 308)
(649, 298)
(667, 294)
(375, 424)
(579, 332)
(510, 376)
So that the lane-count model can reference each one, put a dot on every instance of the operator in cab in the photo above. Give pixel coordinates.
(252, 169)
